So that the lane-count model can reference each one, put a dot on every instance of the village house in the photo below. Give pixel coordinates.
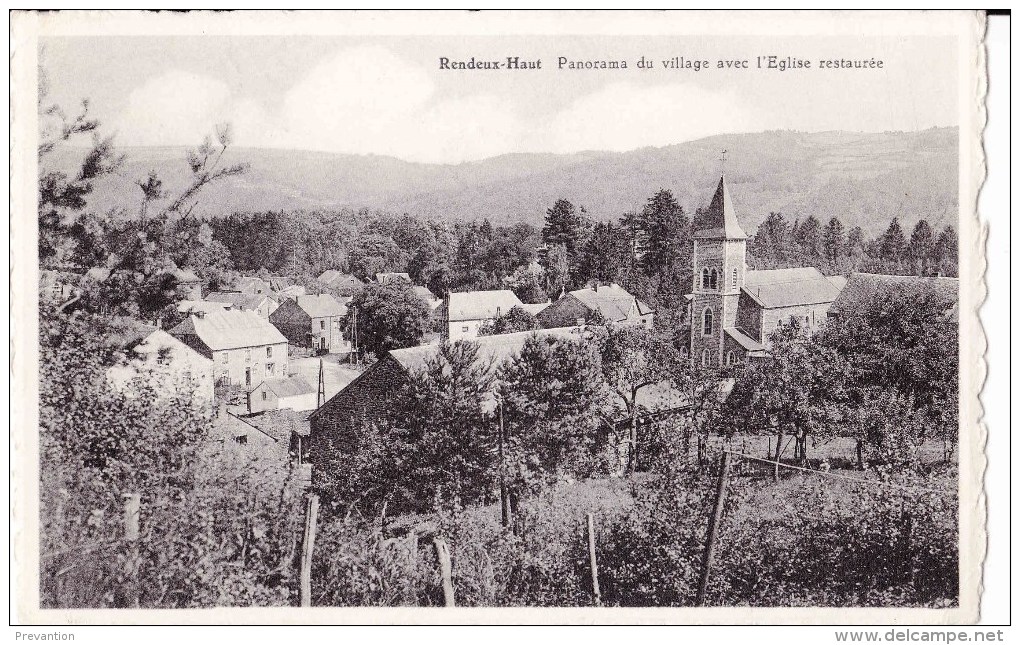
(461, 314)
(343, 283)
(252, 285)
(262, 304)
(313, 321)
(293, 291)
(56, 286)
(733, 310)
(170, 368)
(392, 277)
(599, 304)
(245, 349)
(282, 393)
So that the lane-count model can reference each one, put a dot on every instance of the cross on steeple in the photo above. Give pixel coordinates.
(722, 162)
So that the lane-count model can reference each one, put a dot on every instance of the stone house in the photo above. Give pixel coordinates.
(313, 321)
(262, 304)
(461, 314)
(245, 349)
(282, 393)
(609, 303)
(157, 359)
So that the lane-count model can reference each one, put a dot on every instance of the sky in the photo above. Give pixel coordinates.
(388, 95)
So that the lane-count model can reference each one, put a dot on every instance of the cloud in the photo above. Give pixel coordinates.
(174, 108)
(367, 100)
(625, 116)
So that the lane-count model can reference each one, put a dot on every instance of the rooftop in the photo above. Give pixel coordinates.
(612, 301)
(322, 305)
(238, 299)
(480, 305)
(229, 329)
(289, 386)
(864, 286)
(719, 221)
(777, 288)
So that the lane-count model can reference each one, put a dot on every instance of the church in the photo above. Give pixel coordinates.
(732, 311)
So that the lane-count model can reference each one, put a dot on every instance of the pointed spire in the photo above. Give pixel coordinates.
(720, 220)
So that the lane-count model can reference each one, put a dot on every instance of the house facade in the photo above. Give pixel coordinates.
(461, 314)
(599, 304)
(344, 283)
(733, 310)
(314, 322)
(156, 358)
(244, 348)
(282, 393)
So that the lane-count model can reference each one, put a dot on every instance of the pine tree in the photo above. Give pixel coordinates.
(563, 225)
(892, 243)
(947, 251)
(667, 237)
(921, 247)
(834, 244)
(809, 239)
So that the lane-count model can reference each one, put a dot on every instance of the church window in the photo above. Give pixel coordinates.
(707, 321)
(705, 282)
(706, 357)
(714, 278)
(733, 280)
(730, 359)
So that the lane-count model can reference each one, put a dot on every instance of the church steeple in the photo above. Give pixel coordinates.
(719, 222)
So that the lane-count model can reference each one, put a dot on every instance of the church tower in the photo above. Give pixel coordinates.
(719, 269)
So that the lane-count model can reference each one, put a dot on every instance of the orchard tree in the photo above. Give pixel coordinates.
(633, 359)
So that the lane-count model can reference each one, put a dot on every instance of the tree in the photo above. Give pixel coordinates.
(892, 243)
(442, 425)
(771, 243)
(528, 284)
(632, 359)
(809, 239)
(548, 396)
(834, 244)
(389, 316)
(374, 253)
(565, 225)
(947, 251)
(666, 239)
(921, 247)
(604, 254)
(514, 320)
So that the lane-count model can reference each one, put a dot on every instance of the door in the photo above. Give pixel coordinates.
(247, 378)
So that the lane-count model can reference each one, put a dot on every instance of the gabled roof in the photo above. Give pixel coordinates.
(480, 305)
(777, 288)
(612, 301)
(251, 283)
(719, 221)
(238, 299)
(498, 348)
(321, 306)
(289, 386)
(184, 276)
(534, 309)
(232, 329)
(862, 287)
(334, 277)
(158, 340)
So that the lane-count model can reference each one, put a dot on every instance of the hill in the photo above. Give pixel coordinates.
(864, 178)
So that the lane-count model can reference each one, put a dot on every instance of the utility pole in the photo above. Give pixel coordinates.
(713, 528)
(322, 386)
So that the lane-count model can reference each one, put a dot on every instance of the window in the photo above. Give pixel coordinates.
(241, 439)
(706, 357)
(224, 358)
(579, 322)
(714, 279)
(704, 279)
(464, 328)
(322, 324)
(730, 359)
(733, 279)
(270, 368)
(247, 355)
(269, 352)
(266, 395)
(706, 322)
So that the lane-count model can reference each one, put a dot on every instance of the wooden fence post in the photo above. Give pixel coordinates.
(132, 516)
(713, 527)
(446, 569)
(594, 563)
(307, 547)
